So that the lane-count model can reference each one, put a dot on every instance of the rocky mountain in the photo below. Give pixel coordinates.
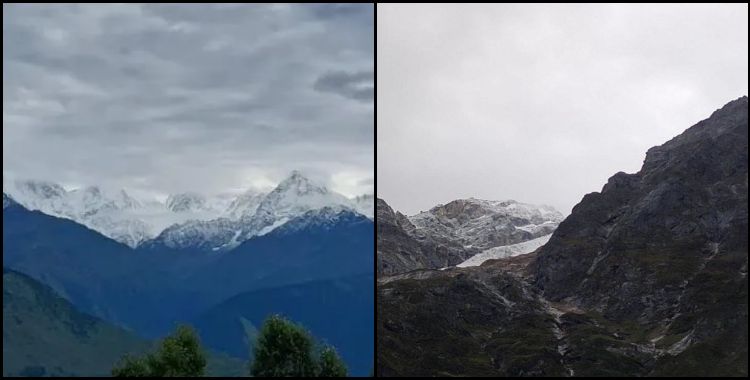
(450, 234)
(400, 250)
(646, 278)
(482, 224)
(666, 246)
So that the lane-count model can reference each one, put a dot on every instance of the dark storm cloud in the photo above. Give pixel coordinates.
(176, 97)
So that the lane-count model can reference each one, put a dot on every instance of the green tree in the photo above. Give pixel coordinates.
(331, 364)
(179, 355)
(283, 349)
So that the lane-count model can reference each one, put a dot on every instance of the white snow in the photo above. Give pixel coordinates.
(188, 218)
(483, 224)
(272, 227)
(505, 251)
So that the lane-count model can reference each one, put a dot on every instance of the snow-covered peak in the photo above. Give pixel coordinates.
(483, 224)
(511, 208)
(296, 195)
(185, 219)
(124, 201)
(245, 204)
(186, 202)
(255, 214)
(297, 184)
(37, 189)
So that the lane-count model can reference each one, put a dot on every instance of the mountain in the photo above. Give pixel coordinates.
(114, 214)
(338, 311)
(97, 274)
(293, 197)
(667, 246)
(245, 205)
(450, 234)
(186, 202)
(44, 335)
(148, 290)
(646, 278)
(482, 224)
(321, 244)
(399, 251)
(184, 221)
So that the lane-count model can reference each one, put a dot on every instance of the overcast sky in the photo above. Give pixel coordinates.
(169, 98)
(542, 103)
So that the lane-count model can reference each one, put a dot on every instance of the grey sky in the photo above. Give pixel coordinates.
(542, 103)
(206, 98)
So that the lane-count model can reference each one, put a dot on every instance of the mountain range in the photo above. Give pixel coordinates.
(150, 288)
(647, 277)
(184, 218)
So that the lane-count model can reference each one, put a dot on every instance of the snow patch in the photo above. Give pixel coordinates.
(505, 251)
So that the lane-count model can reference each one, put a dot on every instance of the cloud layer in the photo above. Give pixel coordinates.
(542, 103)
(168, 98)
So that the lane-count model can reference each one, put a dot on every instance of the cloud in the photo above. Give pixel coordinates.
(173, 97)
(542, 103)
(358, 86)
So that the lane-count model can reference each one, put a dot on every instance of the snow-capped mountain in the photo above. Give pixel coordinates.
(184, 219)
(293, 197)
(245, 204)
(482, 224)
(114, 214)
(186, 202)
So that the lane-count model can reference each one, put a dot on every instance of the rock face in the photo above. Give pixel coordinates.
(666, 246)
(401, 248)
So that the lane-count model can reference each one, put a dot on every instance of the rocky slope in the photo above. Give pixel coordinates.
(648, 277)
(450, 234)
(666, 246)
(401, 248)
